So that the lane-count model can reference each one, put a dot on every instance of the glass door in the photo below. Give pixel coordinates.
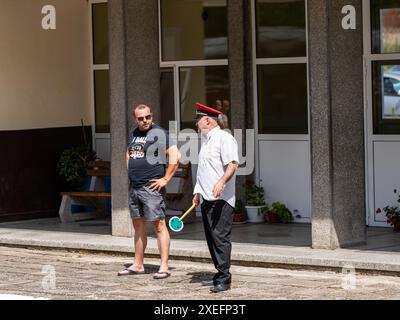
(280, 69)
(382, 101)
(100, 81)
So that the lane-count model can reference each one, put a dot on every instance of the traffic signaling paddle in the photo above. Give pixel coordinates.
(176, 223)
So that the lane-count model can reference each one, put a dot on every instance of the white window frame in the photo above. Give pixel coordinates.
(369, 135)
(93, 68)
(176, 65)
(273, 61)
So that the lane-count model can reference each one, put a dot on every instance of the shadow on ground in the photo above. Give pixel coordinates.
(205, 278)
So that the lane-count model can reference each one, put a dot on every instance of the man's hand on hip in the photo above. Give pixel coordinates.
(158, 184)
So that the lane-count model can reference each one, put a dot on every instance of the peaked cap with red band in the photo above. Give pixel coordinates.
(202, 110)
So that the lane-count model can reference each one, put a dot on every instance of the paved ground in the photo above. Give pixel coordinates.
(268, 245)
(81, 275)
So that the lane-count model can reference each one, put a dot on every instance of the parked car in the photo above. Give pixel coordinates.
(391, 95)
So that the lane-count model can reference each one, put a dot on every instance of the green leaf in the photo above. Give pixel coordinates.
(72, 165)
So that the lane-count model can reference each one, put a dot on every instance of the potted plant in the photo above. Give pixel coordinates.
(239, 216)
(392, 214)
(265, 210)
(73, 164)
(279, 213)
(269, 215)
(254, 202)
(393, 217)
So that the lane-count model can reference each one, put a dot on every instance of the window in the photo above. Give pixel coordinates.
(194, 50)
(384, 56)
(385, 25)
(100, 33)
(281, 66)
(386, 97)
(101, 95)
(166, 96)
(283, 99)
(210, 84)
(100, 67)
(194, 30)
(281, 29)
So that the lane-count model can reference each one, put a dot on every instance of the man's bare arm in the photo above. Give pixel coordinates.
(173, 163)
(229, 172)
(127, 158)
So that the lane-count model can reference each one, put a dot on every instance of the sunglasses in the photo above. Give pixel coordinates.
(148, 117)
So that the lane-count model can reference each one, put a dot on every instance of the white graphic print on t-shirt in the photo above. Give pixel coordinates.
(137, 148)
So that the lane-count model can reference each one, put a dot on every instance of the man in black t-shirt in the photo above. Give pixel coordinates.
(148, 149)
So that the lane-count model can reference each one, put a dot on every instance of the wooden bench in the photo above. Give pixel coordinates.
(175, 188)
(178, 194)
(95, 202)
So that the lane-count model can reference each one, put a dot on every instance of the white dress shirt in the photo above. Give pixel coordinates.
(218, 150)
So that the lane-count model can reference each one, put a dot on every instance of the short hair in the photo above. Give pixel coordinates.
(222, 124)
(141, 107)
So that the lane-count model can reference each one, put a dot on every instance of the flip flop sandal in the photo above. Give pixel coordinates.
(129, 272)
(161, 275)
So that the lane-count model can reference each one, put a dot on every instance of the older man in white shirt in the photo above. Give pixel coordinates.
(215, 189)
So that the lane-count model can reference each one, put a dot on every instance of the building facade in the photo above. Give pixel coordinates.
(317, 80)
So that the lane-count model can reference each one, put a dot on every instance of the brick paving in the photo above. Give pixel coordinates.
(83, 275)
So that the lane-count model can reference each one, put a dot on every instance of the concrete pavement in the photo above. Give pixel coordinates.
(55, 274)
(381, 256)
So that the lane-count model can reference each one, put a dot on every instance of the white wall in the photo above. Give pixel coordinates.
(285, 173)
(44, 75)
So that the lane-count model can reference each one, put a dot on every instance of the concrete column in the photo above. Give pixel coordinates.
(134, 79)
(236, 63)
(248, 69)
(142, 55)
(337, 125)
(236, 49)
(121, 225)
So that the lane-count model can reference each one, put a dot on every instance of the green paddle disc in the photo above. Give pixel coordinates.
(175, 224)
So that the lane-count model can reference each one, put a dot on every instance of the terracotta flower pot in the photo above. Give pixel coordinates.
(396, 223)
(239, 218)
(273, 217)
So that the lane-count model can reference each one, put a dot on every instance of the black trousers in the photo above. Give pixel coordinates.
(217, 221)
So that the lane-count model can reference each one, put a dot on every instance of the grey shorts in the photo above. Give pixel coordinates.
(146, 203)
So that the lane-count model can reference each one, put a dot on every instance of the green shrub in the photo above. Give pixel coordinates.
(285, 215)
(254, 194)
(239, 206)
(73, 164)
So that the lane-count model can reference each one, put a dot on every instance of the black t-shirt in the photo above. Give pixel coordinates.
(147, 157)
